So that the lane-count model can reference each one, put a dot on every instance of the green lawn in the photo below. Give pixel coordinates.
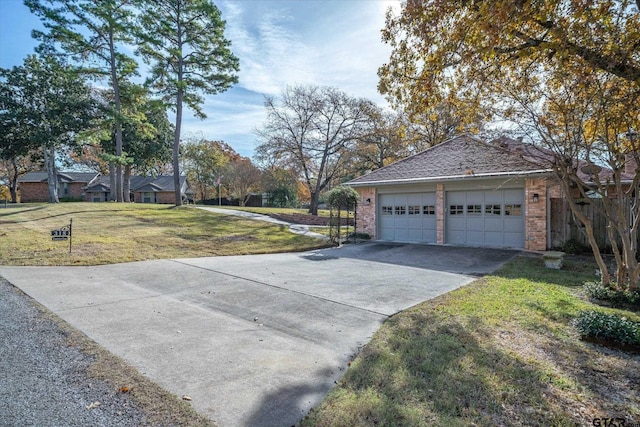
(500, 351)
(105, 233)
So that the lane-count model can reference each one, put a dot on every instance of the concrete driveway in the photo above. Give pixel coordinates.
(254, 340)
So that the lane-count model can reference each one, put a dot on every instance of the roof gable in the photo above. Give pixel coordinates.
(40, 176)
(100, 183)
(160, 183)
(458, 158)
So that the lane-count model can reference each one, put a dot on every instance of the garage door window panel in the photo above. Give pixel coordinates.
(387, 210)
(474, 209)
(513, 210)
(456, 210)
(414, 210)
(400, 210)
(493, 210)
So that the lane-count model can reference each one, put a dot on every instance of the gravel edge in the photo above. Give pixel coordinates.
(54, 375)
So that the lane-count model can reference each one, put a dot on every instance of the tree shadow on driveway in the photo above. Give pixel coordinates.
(287, 405)
(452, 259)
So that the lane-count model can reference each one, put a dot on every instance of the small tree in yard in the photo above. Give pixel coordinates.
(341, 198)
(281, 184)
(242, 178)
(204, 162)
(312, 130)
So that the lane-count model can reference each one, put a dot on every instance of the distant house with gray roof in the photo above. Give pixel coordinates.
(34, 188)
(93, 187)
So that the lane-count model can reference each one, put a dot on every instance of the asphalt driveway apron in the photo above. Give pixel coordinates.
(254, 340)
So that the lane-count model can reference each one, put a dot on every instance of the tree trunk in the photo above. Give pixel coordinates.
(313, 204)
(126, 183)
(634, 277)
(118, 118)
(52, 176)
(112, 183)
(13, 182)
(118, 178)
(605, 277)
(176, 150)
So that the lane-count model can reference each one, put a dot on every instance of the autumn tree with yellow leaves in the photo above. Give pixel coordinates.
(564, 73)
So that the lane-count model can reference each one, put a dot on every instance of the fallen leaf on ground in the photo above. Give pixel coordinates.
(94, 405)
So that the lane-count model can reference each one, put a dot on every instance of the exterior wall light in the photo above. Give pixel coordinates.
(536, 197)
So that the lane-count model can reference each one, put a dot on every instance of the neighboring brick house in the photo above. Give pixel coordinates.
(92, 187)
(461, 192)
(34, 187)
(144, 189)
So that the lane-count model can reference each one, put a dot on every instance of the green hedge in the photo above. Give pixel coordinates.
(598, 291)
(608, 327)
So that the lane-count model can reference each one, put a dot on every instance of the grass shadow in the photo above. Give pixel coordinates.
(21, 211)
(440, 373)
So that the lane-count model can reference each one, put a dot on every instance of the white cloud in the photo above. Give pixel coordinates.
(332, 43)
(283, 43)
(271, 54)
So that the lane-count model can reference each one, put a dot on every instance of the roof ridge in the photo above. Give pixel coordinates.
(462, 155)
(447, 141)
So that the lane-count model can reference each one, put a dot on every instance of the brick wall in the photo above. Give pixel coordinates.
(166, 197)
(367, 211)
(554, 190)
(39, 191)
(34, 192)
(75, 190)
(536, 214)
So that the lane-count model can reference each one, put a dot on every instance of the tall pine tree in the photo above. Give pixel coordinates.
(93, 33)
(184, 41)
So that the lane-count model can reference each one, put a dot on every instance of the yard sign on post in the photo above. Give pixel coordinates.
(63, 233)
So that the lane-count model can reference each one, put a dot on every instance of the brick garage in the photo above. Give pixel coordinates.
(462, 192)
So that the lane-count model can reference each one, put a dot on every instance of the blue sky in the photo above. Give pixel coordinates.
(279, 43)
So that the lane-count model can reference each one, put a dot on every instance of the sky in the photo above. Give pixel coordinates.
(279, 43)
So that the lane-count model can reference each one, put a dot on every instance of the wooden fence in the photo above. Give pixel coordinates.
(563, 226)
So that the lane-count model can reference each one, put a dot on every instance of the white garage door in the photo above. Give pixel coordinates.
(485, 218)
(407, 217)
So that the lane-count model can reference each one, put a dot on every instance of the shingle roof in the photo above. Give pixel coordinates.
(62, 176)
(459, 158)
(138, 183)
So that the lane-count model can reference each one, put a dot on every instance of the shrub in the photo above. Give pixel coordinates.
(596, 290)
(359, 235)
(609, 327)
(342, 197)
(573, 247)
